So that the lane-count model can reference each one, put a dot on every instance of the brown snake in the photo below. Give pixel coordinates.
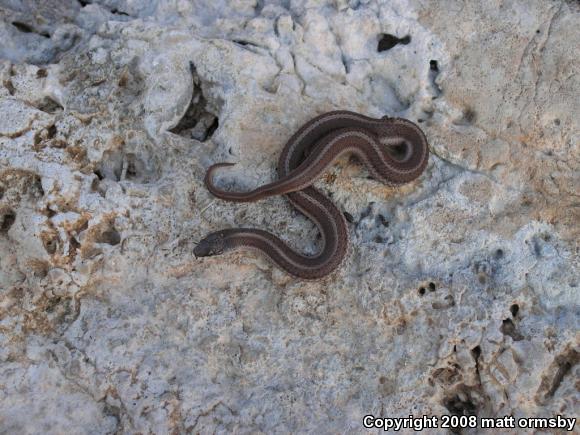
(308, 154)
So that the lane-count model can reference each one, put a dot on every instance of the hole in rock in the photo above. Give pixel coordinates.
(7, 218)
(131, 170)
(50, 245)
(514, 309)
(51, 131)
(74, 243)
(387, 41)
(109, 236)
(433, 73)
(458, 405)
(198, 122)
(509, 328)
(469, 115)
(135, 169)
(49, 105)
(212, 128)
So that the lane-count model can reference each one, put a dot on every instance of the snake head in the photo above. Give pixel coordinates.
(213, 244)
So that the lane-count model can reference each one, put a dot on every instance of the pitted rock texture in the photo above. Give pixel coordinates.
(460, 292)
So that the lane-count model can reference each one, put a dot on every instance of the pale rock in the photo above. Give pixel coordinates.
(459, 294)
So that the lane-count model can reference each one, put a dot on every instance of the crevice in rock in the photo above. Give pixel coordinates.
(476, 352)
(116, 11)
(509, 328)
(465, 400)
(51, 132)
(211, 129)
(556, 373)
(345, 63)
(7, 219)
(132, 167)
(110, 236)
(250, 46)
(49, 105)
(461, 401)
(433, 73)
(26, 28)
(245, 43)
(197, 122)
(9, 86)
(113, 10)
(387, 41)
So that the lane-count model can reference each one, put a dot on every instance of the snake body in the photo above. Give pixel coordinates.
(309, 153)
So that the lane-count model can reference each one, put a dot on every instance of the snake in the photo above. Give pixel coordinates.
(395, 150)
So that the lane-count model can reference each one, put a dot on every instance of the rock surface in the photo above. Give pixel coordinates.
(459, 295)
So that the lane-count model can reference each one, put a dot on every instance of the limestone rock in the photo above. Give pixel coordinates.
(460, 292)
